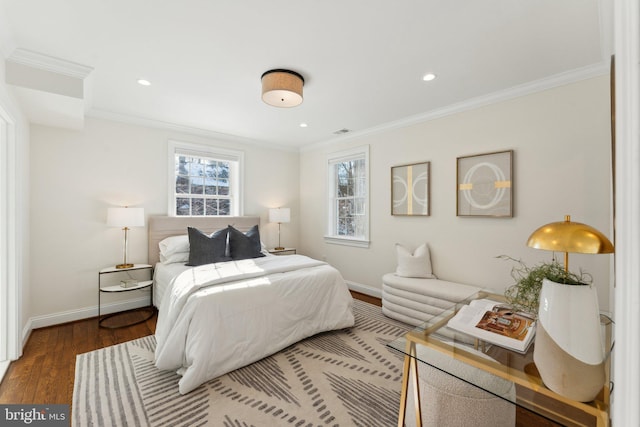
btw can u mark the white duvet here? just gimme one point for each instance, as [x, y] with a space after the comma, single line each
[219, 317]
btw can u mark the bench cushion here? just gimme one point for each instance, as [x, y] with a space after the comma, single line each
[414, 301]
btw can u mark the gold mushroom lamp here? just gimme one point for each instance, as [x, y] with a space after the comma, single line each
[569, 351]
[567, 236]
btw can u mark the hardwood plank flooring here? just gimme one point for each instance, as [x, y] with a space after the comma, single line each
[46, 371]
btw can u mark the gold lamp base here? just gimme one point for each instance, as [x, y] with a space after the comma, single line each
[124, 266]
[279, 248]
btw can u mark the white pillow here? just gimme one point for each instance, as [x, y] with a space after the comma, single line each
[181, 257]
[174, 244]
[416, 264]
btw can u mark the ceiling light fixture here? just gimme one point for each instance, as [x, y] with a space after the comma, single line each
[282, 88]
[303, 125]
[144, 82]
[428, 77]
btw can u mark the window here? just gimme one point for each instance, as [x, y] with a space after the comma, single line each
[205, 181]
[348, 213]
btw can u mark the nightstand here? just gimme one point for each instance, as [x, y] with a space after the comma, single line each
[285, 251]
[122, 275]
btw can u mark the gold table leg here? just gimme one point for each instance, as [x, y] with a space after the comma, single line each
[410, 370]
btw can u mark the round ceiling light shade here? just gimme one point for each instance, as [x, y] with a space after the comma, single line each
[282, 88]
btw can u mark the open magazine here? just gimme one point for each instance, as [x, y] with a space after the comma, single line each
[495, 323]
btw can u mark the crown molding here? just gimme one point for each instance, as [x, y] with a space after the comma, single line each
[557, 80]
[49, 63]
[173, 127]
[551, 82]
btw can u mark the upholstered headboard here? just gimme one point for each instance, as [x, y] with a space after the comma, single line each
[161, 227]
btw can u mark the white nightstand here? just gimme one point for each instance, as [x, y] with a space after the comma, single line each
[115, 288]
[285, 251]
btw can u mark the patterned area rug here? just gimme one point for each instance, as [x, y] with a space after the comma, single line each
[339, 378]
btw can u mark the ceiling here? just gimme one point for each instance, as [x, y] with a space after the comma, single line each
[362, 60]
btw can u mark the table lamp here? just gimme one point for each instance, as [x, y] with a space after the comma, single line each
[566, 236]
[568, 350]
[125, 217]
[279, 215]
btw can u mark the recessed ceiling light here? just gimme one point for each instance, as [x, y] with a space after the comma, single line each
[428, 77]
[303, 125]
[144, 82]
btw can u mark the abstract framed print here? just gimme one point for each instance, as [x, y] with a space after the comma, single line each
[410, 189]
[485, 185]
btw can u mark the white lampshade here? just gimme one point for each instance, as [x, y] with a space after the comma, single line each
[279, 215]
[125, 217]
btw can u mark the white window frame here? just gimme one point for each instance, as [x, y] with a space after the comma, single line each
[332, 237]
[236, 178]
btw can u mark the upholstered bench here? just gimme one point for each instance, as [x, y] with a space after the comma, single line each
[415, 300]
[413, 294]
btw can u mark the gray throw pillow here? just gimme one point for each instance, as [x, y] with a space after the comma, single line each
[205, 249]
[245, 245]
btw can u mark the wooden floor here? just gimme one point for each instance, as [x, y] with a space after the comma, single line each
[45, 372]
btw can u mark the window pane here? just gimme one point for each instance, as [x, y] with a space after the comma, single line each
[197, 167]
[211, 207]
[182, 185]
[182, 165]
[197, 185]
[182, 206]
[345, 207]
[223, 187]
[343, 227]
[210, 168]
[224, 207]
[210, 187]
[223, 170]
[197, 207]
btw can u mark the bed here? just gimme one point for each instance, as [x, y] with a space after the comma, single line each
[215, 318]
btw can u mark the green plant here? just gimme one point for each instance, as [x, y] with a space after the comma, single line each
[524, 294]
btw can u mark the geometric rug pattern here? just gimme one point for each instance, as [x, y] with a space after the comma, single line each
[338, 378]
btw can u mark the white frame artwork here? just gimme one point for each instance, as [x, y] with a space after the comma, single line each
[410, 189]
[484, 185]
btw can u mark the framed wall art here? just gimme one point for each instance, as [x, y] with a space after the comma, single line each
[485, 185]
[410, 189]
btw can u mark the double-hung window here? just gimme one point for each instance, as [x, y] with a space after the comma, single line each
[348, 204]
[204, 180]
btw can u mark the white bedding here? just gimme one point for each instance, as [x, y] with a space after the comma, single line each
[219, 317]
[163, 276]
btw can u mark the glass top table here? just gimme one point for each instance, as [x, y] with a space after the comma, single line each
[465, 357]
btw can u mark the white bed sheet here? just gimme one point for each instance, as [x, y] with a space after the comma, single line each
[209, 325]
[163, 276]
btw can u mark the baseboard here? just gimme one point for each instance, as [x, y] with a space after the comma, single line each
[4, 365]
[84, 313]
[365, 289]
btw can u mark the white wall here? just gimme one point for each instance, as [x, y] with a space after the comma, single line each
[77, 175]
[561, 142]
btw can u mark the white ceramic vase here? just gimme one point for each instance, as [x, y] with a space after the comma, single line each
[569, 352]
